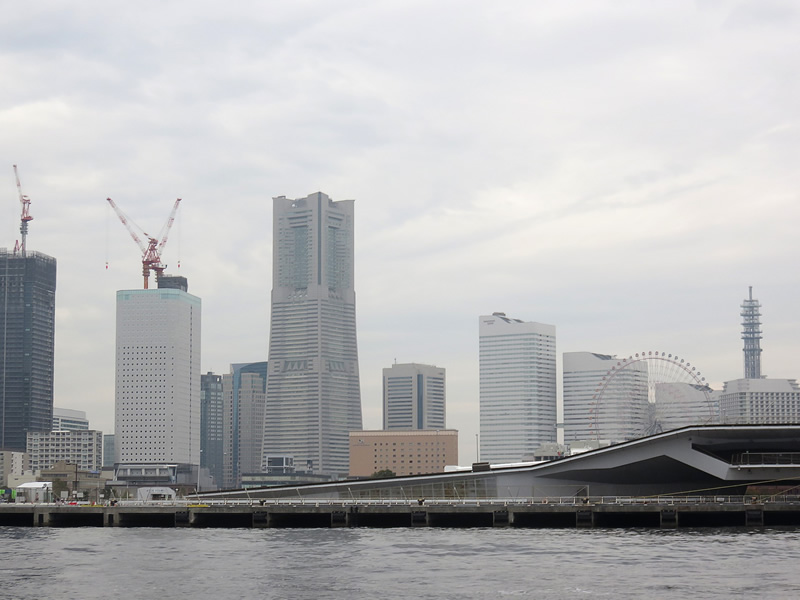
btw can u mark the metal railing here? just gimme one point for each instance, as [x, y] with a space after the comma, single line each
[752, 459]
[470, 502]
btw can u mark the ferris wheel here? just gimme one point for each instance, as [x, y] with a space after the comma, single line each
[647, 393]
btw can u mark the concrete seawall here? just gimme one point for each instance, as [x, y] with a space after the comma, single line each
[490, 513]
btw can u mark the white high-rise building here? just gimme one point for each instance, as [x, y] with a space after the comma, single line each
[759, 401]
[157, 400]
[619, 413]
[69, 419]
[413, 397]
[313, 391]
[81, 447]
[517, 387]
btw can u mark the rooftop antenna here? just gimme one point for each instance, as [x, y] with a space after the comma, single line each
[25, 217]
[751, 334]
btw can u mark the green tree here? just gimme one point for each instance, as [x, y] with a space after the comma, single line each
[383, 473]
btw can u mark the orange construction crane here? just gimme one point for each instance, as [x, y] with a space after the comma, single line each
[19, 246]
[151, 253]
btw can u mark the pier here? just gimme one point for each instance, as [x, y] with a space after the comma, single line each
[572, 512]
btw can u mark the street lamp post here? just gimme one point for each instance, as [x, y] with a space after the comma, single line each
[199, 465]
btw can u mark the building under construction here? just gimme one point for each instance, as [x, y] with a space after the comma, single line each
[27, 334]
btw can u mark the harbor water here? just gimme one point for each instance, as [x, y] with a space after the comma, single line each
[402, 563]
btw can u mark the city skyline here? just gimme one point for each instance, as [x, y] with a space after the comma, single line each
[623, 172]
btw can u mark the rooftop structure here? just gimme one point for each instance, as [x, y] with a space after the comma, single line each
[67, 418]
[751, 334]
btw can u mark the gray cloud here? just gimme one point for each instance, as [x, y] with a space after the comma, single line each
[621, 171]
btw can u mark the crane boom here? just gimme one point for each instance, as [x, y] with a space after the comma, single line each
[168, 225]
[151, 252]
[25, 217]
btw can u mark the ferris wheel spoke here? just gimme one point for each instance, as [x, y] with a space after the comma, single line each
[649, 392]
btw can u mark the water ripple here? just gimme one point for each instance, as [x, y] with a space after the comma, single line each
[419, 563]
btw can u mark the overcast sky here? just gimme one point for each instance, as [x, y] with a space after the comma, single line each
[621, 170]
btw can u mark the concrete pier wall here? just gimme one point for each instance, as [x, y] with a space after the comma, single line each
[582, 513]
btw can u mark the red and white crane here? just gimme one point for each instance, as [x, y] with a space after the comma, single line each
[151, 252]
[25, 218]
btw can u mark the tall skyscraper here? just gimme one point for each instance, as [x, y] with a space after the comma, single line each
[517, 387]
[157, 416]
[244, 393]
[413, 397]
[621, 413]
[751, 334]
[313, 391]
[27, 337]
[212, 410]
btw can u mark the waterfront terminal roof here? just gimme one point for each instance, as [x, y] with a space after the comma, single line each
[697, 460]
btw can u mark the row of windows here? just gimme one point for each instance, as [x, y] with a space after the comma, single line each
[409, 443]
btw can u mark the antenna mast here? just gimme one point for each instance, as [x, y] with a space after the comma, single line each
[751, 334]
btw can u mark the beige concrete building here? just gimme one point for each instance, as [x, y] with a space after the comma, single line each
[13, 464]
[411, 452]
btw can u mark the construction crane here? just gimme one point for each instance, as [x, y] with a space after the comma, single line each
[25, 218]
[151, 252]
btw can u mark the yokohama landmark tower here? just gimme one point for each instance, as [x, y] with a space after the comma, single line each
[313, 391]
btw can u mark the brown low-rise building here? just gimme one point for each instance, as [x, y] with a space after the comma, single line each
[410, 452]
